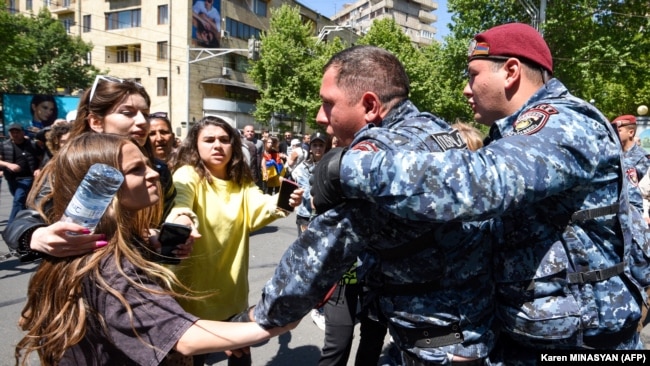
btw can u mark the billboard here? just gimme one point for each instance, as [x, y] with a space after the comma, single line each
[206, 23]
[35, 110]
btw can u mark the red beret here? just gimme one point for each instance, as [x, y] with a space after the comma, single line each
[512, 40]
[624, 120]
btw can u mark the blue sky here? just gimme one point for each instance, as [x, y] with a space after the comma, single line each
[329, 8]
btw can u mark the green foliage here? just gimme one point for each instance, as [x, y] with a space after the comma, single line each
[288, 72]
[601, 51]
[600, 48]
[39, 56]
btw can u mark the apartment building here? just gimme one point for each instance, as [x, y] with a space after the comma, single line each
[190, 55]
[414, 16]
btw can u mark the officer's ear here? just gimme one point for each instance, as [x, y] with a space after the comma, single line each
[373, 106]
[513, 69]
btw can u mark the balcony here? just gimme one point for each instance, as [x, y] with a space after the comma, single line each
[61, 7]
[427, 5]
[427, 17]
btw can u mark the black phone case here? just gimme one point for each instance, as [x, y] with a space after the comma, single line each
[170, 236]
[286, 188]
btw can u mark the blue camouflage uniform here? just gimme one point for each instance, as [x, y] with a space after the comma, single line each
[549, 176]
[637, 157]
[432, 282]
[636, 163]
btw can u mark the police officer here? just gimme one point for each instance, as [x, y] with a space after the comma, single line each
[635, 158]
[430, 283]
[568, 275]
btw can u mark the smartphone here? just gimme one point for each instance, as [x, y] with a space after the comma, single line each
[286, 188]
[170, 236]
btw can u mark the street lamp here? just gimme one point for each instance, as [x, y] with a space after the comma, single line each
[643, 124]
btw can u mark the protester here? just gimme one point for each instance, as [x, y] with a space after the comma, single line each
[111, 105]
[305, 142]
[217, 195]
[20, 160]
[319, 145]
[431, 284]
[249, 134]
[297, 156]
[273, 167]
[112, 306]
[56, 136]
[163, 139]
[284, 146]
[569, 266]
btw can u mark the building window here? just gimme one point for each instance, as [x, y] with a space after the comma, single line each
[123, 19]
[259, 7]
[162, 87]
[163, 14]
[67, 24]
[86, 23]
[137, 53]
[240, 30]
[13, 7]
[89, 58]
[122, 54]
[29, 5]
[162, 50]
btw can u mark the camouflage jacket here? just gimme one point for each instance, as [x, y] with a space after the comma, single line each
[636, 163]
[559, 277]
[443, 283]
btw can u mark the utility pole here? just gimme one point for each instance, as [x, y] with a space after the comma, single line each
[538, 15]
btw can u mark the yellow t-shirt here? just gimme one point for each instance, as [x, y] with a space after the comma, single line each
[227, 214]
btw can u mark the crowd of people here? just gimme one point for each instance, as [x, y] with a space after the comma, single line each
[468, 249]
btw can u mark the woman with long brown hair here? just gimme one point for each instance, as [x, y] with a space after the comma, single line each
[112, 306]
[110, 105]
[216, 193]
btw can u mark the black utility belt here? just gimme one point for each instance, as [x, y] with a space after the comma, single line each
[430, 337]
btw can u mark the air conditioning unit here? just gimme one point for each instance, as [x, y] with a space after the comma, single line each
[225, 34]
[226, 71]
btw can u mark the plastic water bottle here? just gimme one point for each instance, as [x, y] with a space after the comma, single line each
[93, 196]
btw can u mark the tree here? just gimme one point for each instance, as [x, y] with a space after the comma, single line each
[38, 56]
[600, 48]
[289, 69]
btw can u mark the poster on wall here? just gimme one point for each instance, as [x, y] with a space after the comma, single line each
[643, 132]
[206, 23]
[35, 111]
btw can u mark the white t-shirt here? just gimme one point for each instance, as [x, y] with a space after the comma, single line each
[213, 13]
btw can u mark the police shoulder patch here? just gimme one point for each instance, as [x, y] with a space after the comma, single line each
[365, 146]
[533, 119]
[632, 176]
[449, 140]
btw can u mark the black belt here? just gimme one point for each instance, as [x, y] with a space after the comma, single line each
[596, 275]
[430, 337]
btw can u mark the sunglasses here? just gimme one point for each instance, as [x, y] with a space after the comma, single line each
[110, 79]
[161, 115]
